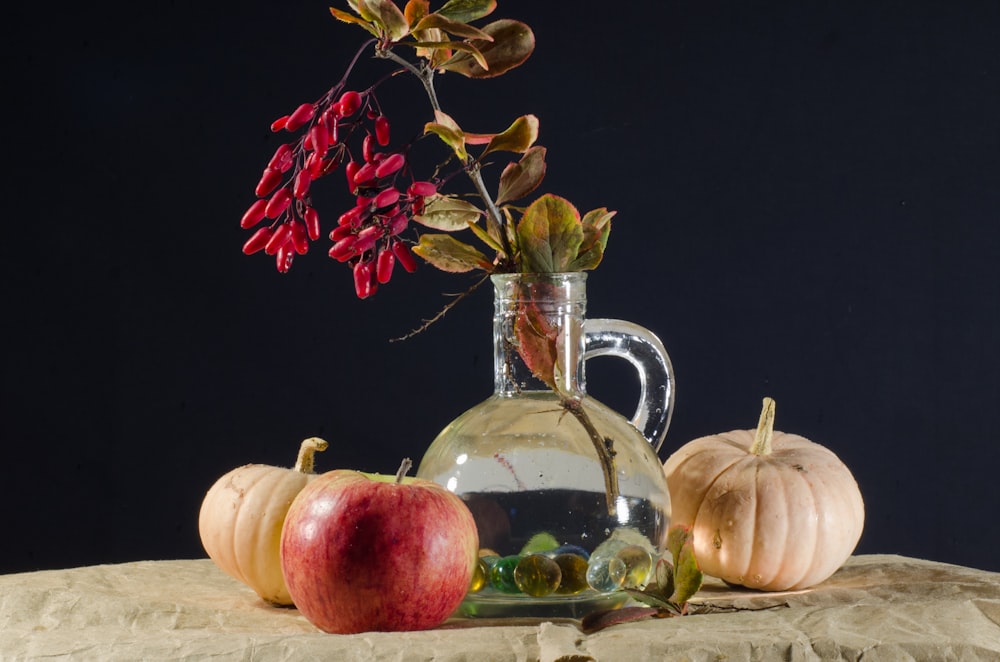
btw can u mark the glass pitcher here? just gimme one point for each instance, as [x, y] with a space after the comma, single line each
[569, 496]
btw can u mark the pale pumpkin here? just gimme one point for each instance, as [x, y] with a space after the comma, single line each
[768, 510]
[241, 518]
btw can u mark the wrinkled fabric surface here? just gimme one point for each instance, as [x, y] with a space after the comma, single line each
[877, 607]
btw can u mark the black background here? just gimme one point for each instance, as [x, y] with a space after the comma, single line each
[808, 199]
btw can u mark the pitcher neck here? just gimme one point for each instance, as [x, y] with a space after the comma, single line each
[538, 332]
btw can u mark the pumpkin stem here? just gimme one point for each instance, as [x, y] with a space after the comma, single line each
[305, 461]
[404, 467]
[765, 429]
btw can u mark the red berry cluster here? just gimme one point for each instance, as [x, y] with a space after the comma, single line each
[367, 236]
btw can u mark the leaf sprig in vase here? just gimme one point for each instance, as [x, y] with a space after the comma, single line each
[398, 212]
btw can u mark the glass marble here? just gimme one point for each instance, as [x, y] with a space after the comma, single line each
[605, 573]
[480, 575]
[573, 568]
[537, 575]
[638, 565]
[570, 549]
[502, 574]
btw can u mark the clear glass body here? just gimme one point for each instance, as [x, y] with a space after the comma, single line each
[528, 468]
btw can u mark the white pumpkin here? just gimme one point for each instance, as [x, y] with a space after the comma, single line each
[241, 518]
[768, 510]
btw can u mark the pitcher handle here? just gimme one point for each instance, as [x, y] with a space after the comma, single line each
[641, 348]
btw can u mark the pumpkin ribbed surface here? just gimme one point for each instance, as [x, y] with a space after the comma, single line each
[783, 520]
[241, 518]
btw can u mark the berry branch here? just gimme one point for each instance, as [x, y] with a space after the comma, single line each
[391, 203]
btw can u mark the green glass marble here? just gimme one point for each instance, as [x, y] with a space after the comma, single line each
[502, 574]
[573, 568]
[638, 565]
[537, 575]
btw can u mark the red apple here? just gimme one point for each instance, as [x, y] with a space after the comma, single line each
[368, 552]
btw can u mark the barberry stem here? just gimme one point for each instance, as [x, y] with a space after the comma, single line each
[493, 218]
[425, 75]
[492, 213]
[604, 446]
[444, 311]
[347, 72]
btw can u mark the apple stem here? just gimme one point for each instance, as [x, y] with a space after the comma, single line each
[765, 429]
[306, 459]
[404, 467]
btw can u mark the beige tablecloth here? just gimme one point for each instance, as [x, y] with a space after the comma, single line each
[875, 608]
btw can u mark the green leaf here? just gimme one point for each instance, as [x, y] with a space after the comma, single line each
[550, 235]
[387, 15]
[448, 46]
[364, 10]
[351, 18]
[513, 42]
[519, 179]
[588, 259]
[448, 214]
[437, 21]
[518, 137]
[677, 537]
[448, 254]
[663, 579]
[687, 575]
[448, 131]
[597, 219]
[486, 238]
[596, 228]
[509, 229]
[464, 11]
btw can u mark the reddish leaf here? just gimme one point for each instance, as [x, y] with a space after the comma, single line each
[537, 340]
[415, 10]
[603, 619]
[513, 42]
[519, 179]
